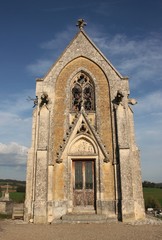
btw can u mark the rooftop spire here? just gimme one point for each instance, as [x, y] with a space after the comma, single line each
[81, 23]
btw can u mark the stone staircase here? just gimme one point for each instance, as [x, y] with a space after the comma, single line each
[86, 218]
[18, 213]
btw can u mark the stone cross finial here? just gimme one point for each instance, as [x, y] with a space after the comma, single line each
[81, 23]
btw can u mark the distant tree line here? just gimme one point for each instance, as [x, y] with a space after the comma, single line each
[147, 184]
[12, 182]
[20, 185]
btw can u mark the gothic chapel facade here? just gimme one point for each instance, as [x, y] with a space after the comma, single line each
[83, 158]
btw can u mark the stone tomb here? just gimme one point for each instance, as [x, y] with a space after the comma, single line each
[6, 205]
[83, 157]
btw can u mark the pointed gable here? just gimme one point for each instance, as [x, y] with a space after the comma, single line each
[83, 139]
[82, 45]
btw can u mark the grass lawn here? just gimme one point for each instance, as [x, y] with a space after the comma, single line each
[155, 193]
[17, 197]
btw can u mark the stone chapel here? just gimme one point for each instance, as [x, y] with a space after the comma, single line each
[83, 159]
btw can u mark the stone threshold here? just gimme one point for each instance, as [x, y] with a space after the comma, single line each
[84, 218]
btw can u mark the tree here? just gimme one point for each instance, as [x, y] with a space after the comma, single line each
[21, 189]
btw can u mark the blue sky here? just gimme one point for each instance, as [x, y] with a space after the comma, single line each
[34, 33]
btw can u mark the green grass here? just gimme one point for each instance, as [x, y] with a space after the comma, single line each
[17, 197]
[155, 193]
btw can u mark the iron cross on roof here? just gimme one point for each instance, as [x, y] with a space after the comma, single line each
[81, 23]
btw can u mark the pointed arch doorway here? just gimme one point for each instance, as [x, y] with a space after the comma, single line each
[83, 156]
[84, 184]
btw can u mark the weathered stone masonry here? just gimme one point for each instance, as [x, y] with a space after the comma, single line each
[83, 159]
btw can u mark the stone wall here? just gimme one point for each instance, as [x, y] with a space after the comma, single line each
[6, 207]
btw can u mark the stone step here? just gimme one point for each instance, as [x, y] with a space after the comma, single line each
[18, 213]
[86, 218]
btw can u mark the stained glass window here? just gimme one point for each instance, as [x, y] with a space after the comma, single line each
[83, 94]
[77, 97]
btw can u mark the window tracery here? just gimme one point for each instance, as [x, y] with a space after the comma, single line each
[83, 93]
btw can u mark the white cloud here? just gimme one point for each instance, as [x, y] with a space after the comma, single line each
[136, 57]
[15, 134]
[39, 67]
[17, 103]
[54, 47]
[12, 154]
[148, 125]
[150, 104]
[12, 148]
[60, 41]
[139, 58]
[16, 116]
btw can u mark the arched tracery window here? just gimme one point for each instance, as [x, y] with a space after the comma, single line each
[83, 93]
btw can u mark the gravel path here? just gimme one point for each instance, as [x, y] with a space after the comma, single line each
[141, 230]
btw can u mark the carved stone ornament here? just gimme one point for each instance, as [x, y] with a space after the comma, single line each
[44, 99]
[83, 129]
[82, 146]
[81, 23]
[119, 97]
[106, 160]
[58, 160]
[132, 101]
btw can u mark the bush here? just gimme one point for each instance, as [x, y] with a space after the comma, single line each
[21, 189]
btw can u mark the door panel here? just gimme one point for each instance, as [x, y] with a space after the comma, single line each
[83, 183]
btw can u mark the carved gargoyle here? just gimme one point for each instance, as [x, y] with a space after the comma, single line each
[132, 101]
[44, 99]
[119, 97]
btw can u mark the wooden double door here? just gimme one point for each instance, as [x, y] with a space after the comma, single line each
[83, 183]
